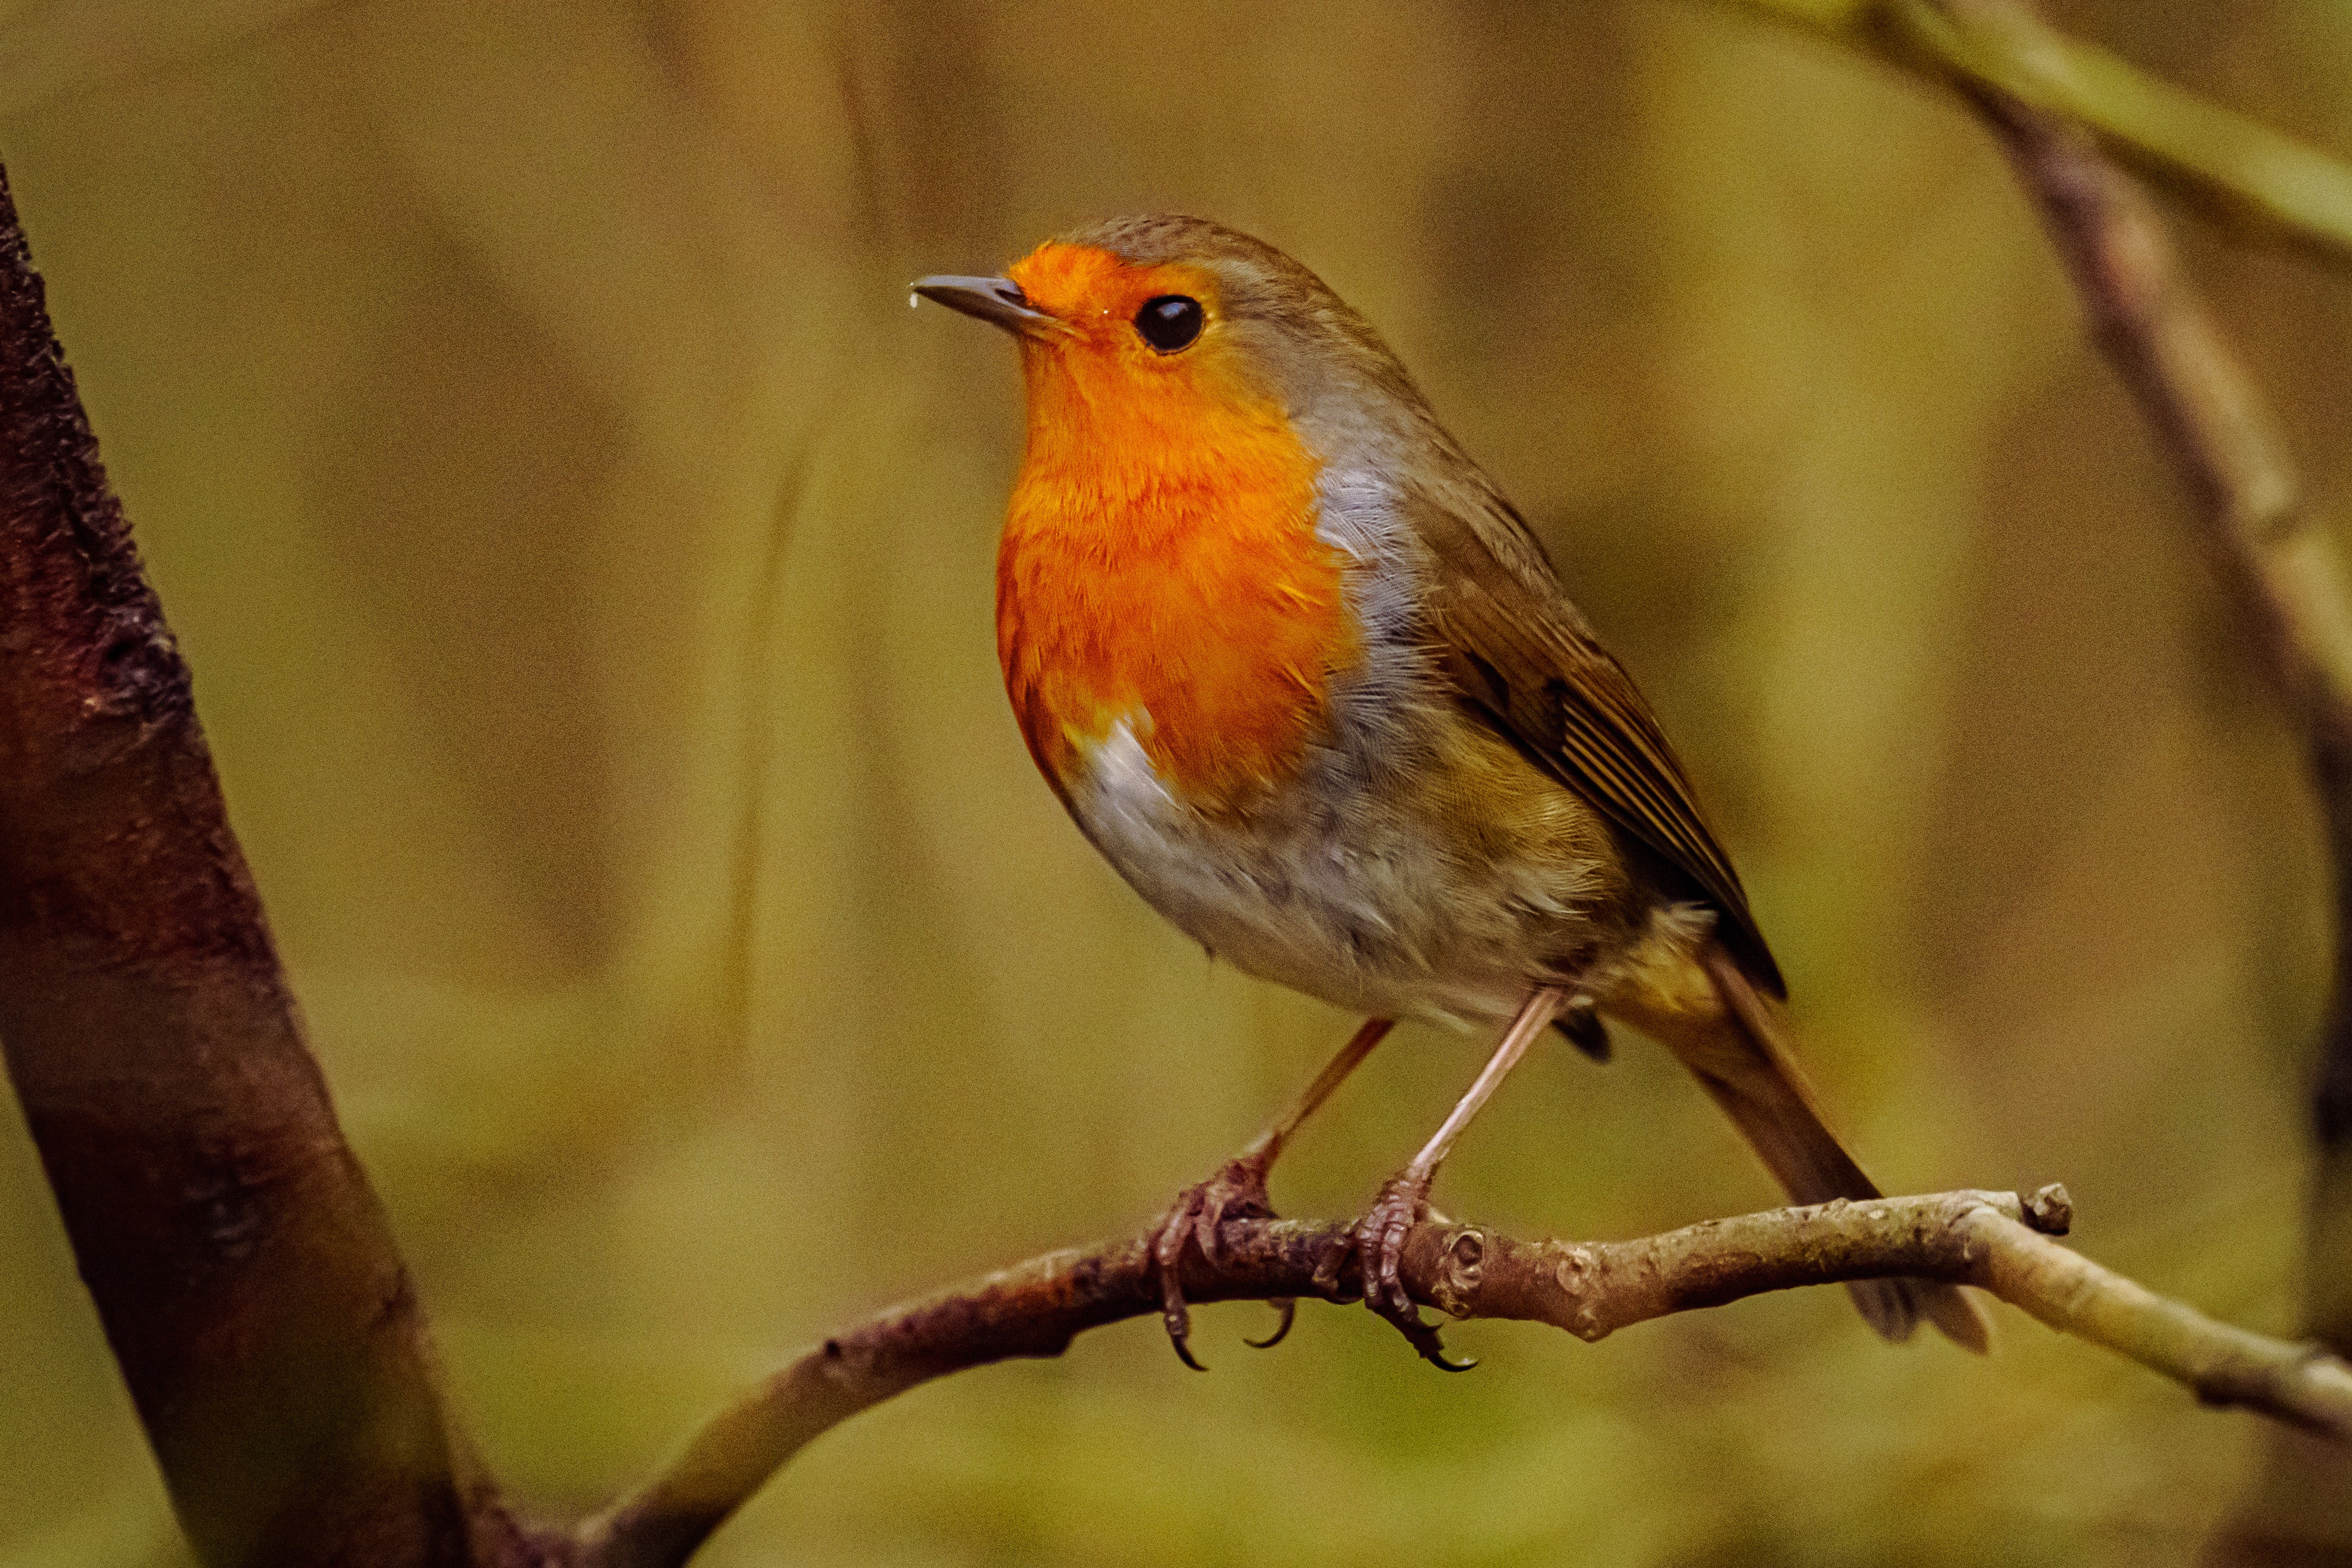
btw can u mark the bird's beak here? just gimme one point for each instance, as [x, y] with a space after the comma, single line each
[997, 299]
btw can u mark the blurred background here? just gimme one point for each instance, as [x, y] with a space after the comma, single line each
[585, 560]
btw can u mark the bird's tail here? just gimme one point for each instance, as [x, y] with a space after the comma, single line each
[1736, 1050]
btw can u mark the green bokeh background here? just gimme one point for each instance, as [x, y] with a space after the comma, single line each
[585, 560]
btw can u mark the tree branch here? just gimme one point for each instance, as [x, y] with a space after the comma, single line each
[2045, 96]
[1994, 1240]
[2272, 555]
[2260, 178]
[239, 1263]
[2038, 92]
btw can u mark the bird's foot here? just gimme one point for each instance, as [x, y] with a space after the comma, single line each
[1380, 1253]
[1237, 1191]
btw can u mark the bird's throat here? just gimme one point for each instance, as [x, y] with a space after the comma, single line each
[1160, 569]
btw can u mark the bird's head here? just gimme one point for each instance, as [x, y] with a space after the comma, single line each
[1154, 324]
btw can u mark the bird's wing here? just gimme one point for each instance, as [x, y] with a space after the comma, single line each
[1524, 659]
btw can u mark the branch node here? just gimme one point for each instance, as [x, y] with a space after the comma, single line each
[1570, 1269]
[2050, 1210]
[1456, 1280]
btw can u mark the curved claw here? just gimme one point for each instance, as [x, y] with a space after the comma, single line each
[1166, 1248]
[1177, 1318]
[1238, 1190]
[1380, 1247]
[1288, 1308]
[1427, 1344]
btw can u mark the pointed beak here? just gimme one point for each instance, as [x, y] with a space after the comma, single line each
[996, 300]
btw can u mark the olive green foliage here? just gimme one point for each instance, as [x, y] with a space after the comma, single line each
[585, 560]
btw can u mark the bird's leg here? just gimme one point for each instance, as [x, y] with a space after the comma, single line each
[1379, 1235]
[1238, 1191]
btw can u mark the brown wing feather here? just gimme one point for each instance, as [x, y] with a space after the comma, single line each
[1524, 659]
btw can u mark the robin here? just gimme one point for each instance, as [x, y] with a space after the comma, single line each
[1305, 679]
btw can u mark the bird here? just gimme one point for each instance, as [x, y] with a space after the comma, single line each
[1308, 682]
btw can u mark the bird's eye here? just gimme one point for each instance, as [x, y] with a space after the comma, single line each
[1171, 321]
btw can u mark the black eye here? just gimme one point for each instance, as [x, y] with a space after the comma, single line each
[1171, 321]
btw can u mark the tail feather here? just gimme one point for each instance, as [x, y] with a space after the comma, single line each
[1739, 1057]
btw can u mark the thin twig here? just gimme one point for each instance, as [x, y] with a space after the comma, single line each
[1995, 1240]
[2266, 181]
[2281, 564]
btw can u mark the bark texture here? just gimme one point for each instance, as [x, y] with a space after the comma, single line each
[241, 1266]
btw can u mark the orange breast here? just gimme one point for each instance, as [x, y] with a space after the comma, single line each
[1159, 565]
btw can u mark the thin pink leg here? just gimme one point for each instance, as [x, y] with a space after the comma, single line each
[1379, 1237]
[1239, 1189]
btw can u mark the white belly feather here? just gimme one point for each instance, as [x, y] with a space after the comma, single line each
[1375, 917]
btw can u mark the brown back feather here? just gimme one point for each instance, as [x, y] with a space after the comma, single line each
[1523, 659]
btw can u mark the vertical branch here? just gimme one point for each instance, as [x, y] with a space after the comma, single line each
[2288, 576]
[240, 1265]
[2271, 554]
